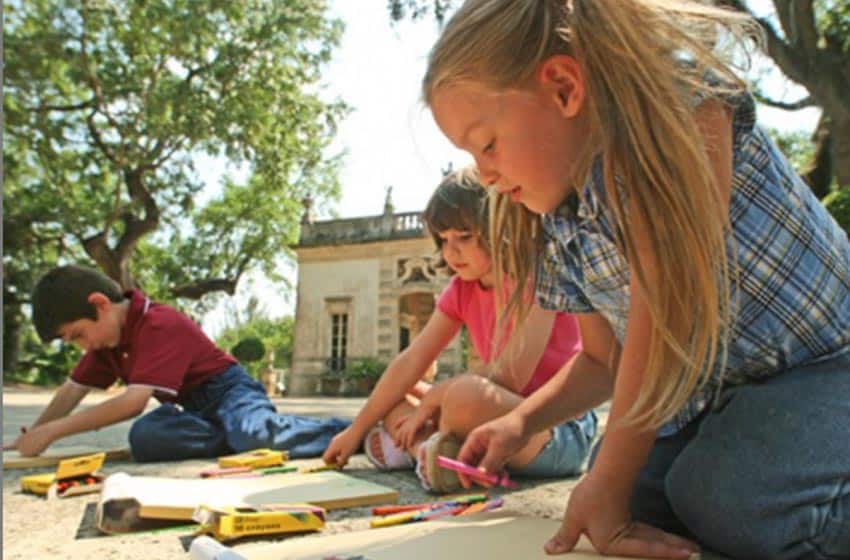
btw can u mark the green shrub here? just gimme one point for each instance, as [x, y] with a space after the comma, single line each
[838, 204]
[249, 349]
[371, 368]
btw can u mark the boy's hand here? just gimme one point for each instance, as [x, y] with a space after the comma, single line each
[342, 446]
[14, 444]
[34, 441]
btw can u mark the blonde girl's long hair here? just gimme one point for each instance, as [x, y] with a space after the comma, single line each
[645, 64]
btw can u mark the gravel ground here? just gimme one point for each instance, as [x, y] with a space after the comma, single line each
[36, 529]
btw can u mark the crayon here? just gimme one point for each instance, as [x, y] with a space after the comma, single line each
[396, 519]
[320, 468]
[277, 470]
[493, 504]
[442, 512]
[474, 508]
[482, 506]
[226, 471]
[468, 499]
[474, 473]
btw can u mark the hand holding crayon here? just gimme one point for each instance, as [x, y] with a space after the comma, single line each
[476, 475]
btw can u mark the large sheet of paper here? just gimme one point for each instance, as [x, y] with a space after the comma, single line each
[126, 501]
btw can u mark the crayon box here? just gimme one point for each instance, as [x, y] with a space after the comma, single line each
[232, 523]
[79, 475]
[255, 459]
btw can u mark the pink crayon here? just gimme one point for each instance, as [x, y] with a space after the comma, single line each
[472, 472]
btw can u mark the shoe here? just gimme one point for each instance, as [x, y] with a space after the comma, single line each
[433, 477]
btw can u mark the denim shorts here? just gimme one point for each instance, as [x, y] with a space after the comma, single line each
[566, 452]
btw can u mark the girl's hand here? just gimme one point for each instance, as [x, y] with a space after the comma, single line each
[408, 427]
[342, 446]
[603, 515]
[490, 445]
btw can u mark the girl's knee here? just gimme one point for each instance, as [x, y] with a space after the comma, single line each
[464, 404]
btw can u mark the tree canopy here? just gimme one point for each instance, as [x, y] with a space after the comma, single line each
[110, 104]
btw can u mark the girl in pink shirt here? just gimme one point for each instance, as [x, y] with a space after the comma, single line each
[405, 417]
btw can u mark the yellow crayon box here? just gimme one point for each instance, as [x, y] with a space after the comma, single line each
[232, 523]
[255, 459]
[73, 477]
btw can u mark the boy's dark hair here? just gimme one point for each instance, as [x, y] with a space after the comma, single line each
[62, 296]
[460, 203]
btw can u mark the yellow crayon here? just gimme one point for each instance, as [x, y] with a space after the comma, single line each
[396, 519]
[319, 468]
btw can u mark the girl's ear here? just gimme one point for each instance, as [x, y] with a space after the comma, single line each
[560, 77]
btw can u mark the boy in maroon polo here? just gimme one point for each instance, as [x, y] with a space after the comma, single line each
[210, 405]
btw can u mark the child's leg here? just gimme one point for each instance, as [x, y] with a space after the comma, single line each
[420, 389]
[170, 434]
[768, 473]
[251, 421]
[473, 400]
[381, 448]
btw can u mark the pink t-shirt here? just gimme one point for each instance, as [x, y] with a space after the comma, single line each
[475, 307]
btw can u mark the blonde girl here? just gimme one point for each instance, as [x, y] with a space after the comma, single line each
[413, 412]
[636, 190]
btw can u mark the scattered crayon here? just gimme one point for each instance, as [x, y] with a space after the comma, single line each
[442, 512]
[277, 470]
[463, 499]
[475, 474]
[320, 468]
[226, 471]
[396, 519]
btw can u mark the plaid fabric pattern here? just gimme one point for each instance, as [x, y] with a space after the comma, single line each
[792, 303]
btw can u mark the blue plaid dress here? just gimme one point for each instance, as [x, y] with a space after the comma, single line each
[792, 303]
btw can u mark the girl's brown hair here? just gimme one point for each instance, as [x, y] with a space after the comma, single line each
[459, 203]
[645, 64]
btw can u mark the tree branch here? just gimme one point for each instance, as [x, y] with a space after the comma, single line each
[196, 290]
[804, 25]
[782, 53]
[98, 139]
[792, 106]
[135, 228]
[64, 108]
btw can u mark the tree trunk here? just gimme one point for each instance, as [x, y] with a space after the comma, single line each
[819, 172]
[11, 336]
[841, 151]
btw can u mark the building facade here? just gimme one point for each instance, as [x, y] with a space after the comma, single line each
[366, 288]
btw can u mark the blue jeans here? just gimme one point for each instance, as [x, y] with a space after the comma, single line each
[564, 454]
[230, 413]
[764, 474]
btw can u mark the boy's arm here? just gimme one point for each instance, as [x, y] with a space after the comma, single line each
[66, 399]
[128, 404]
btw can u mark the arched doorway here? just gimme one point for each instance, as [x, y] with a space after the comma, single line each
[414, 310]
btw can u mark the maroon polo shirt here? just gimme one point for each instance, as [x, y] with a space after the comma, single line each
[160, 348]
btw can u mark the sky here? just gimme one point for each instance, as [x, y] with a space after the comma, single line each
[390, 138]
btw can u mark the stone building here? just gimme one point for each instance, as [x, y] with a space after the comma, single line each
[366, 288]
